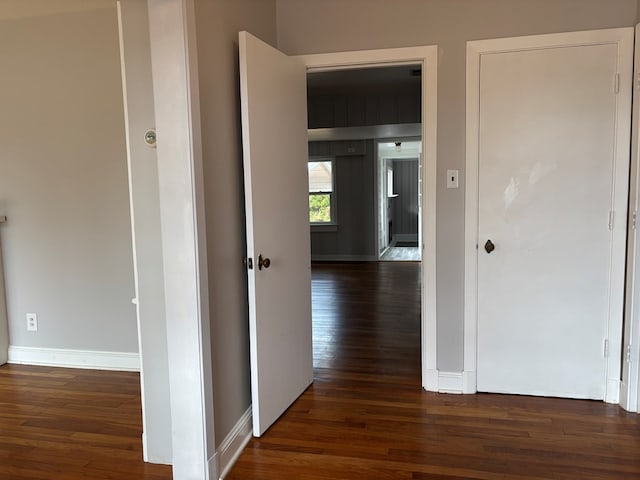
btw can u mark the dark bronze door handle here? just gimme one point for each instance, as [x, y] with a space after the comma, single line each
[263, 262]
[489, 246]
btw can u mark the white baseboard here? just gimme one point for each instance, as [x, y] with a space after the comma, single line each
[343, 258]
[231, 447]
[451, 382]
[613, 391]
[431, 381]
[57, 357]
[469, 385]
[626, 400]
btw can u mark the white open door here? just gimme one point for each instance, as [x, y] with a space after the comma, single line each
[274, 130]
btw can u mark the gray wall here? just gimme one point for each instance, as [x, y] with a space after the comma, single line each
[310, 26]
[63, 178]
[217, 25]
[355, 237]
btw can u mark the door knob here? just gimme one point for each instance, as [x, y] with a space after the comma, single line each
[263, 262]
[489, 246]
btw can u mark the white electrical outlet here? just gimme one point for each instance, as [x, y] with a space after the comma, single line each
[32, 322]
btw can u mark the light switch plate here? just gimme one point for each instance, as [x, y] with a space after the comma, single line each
[452, 178]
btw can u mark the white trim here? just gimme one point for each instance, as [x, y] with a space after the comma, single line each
[427, 56]
[233, 444]
[61, 357]
[451, 382]
[612, 393]
[471, 210]
[4, 320]
[630, 387]
[183, 232]
[468, 382]
[623, 37]
[144, 207]
[343, 258]
[431, 380]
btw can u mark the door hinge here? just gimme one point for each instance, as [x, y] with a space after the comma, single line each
[633, 219]
[612, 217]
[605, 348]
[616, 83]
[628, 355]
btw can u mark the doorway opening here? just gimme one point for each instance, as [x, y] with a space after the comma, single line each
[399, 199]
[364, 212]
[279, 228]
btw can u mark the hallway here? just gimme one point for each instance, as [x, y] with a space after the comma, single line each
[366, 318]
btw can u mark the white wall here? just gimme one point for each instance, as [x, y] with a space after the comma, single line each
[63, 177]
[310, 26]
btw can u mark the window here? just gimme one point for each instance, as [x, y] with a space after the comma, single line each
[321, 194]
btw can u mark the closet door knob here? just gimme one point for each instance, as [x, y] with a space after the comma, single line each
[489, 246]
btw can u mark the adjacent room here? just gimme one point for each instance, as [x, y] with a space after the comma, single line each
[364, 161]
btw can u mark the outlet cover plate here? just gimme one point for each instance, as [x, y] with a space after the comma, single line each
[32, 322]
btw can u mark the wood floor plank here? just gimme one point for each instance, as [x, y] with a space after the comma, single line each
[366, 416]
[67, 424]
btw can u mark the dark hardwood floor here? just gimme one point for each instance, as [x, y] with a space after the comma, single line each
[366, 318]
[64, 424]
[366, 416]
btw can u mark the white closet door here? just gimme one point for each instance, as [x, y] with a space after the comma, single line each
[547, 142]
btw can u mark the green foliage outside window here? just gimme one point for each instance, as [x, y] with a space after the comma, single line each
[320, 208]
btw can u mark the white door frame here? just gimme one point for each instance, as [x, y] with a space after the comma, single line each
[135, 60]
[181, 188]
[623, 38]
[4, 321]
[630, 389]
[427, 56]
